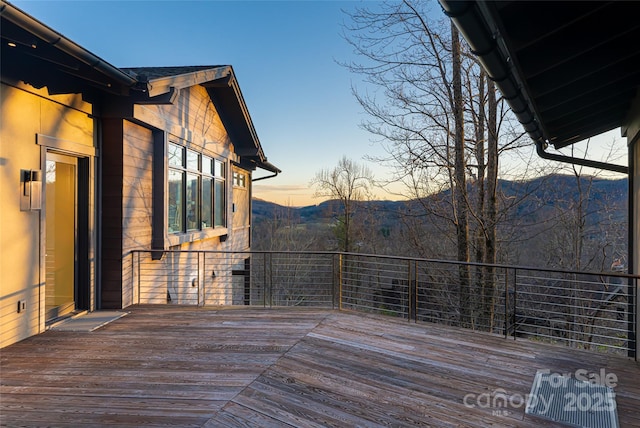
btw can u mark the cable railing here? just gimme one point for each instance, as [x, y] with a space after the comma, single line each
[579, 309]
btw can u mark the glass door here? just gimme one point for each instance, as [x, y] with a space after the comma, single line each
[61, 234]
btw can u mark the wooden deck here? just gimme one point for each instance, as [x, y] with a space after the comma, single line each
[182, 366]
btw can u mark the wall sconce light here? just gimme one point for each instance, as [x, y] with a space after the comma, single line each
[30, 190]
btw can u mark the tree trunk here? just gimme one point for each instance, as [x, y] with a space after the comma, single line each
[479, 235]
[462, 221]
[492, 202]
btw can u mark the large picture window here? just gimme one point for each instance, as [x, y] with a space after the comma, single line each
[196, 186]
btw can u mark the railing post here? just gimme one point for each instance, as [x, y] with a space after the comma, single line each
[632, 313]
[417, 291]
[204, 279]
[139, 288]
[264, 280]
[198, 279]
[333, 282]
[506, 303]
[515, 302]
[340, 267]
[410, 290]
[270, 280]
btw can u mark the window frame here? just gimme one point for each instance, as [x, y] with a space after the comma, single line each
[193, 163]
[220, 178]
[239, 179]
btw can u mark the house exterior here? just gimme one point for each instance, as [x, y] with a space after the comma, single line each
[569, 71]
[176, 170]
[96, 161]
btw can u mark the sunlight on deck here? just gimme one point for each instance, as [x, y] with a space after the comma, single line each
[188, 366]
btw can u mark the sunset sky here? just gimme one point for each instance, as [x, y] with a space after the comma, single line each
[285, 55]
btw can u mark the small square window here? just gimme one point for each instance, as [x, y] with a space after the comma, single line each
[239, 179]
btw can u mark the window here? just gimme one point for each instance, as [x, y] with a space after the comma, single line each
[239, 179]
[196, 186]
[207, 192]
[219, 201]
[175, 157]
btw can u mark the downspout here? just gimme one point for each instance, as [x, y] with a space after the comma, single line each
[268, 166]
[540, 146]
[275, 174]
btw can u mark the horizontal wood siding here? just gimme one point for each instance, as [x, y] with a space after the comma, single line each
[194, 122]
[137, 170]
[192, 119]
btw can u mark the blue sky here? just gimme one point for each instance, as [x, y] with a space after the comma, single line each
[284, 54]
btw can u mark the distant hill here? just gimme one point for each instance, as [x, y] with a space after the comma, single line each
[549, 191]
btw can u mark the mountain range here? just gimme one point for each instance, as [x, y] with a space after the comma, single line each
[535, 197]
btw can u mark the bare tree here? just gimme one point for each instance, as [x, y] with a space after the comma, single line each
[461, 210]
[348, 182]
[443, 126]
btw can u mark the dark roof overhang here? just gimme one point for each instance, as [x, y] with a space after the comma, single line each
[568, 69]
[36, 54]
[228, 100]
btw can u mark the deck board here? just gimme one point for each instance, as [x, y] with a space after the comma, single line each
[240, 367]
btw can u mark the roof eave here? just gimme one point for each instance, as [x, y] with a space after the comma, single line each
[67, 46]
[162, 85]
[478, 26]
[227, 97]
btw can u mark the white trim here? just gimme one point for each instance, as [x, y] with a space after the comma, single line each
[70, 147]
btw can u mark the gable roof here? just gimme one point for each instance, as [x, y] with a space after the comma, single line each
[224, 91]
[568, 69]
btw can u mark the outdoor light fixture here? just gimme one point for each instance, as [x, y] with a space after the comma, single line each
[30, 190]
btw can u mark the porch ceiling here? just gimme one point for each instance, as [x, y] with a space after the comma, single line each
[569, 69]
